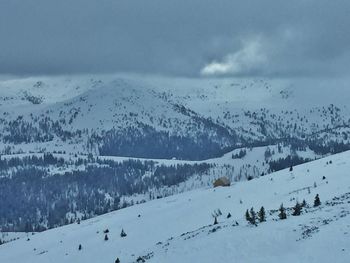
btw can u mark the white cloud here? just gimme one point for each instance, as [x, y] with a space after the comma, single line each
[249, 58]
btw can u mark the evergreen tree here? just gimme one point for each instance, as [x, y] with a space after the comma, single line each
[297, 209]
[250, 216]
[247, 216]
[262, 214]
[106, 237]
[123, 234]
[80, 247]
[253, 216]
[291, 168]
[215, 221]
[317, 201]
[117, 260]
[282, 215]
[229, 215]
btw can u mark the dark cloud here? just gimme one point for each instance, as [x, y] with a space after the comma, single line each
[182, 37]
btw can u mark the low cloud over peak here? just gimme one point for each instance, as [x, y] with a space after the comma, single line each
[248, 59]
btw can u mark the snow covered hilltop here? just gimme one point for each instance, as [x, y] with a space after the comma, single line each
[192, 119]
[181, 228]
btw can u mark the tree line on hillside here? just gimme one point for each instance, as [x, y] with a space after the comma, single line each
[34, 199]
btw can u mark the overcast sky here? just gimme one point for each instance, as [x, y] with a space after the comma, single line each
[176, 37]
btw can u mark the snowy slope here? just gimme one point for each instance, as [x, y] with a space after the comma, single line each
[178, 228]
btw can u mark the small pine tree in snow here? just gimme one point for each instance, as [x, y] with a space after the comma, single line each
[253, 216]
[317, 201]
[80, 247]
[291, 168]
[247, 216]
[282, 215]
[250, 216]
[215, 221]
[262, 214]
[106, 237]
[228, 215]
[123, 234]
[117, 260]
[297, 209]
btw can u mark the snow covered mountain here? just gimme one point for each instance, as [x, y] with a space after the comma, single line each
[104, 142]
[154, 117]
[180, 228]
